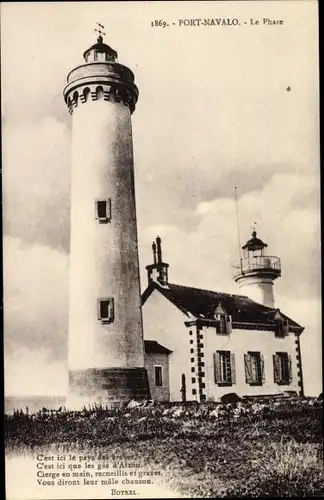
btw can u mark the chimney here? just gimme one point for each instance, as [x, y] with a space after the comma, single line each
[158, 271]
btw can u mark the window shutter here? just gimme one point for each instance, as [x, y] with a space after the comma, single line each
[98, 310]
[111, 310]
[248, 368]
[276, 368]
[217, 368]
[109, 209]
[262, 368]
[233, 371]
[228, 324]
[279, 328]
[289, 369]
[285, 327]
[222, 324]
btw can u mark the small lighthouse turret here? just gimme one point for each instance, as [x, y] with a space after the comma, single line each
[258, 271]
[106, 347]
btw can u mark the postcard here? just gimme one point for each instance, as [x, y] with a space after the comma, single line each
[161, 249]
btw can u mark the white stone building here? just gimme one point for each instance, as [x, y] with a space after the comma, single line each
[218, 343]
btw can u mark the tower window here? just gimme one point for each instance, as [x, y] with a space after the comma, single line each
[103, 211]
[158, 376]
[105, 311]
[86, 93]
[99, 93]
[100, 56]
[75, 98]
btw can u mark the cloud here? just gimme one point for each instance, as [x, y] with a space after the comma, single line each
[203, 125]
[30, 373]
[308, 313]
[36, 179]
[35, 298]
[205, 254]
[35, 318]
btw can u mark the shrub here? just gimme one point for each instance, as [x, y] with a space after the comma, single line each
[287, 469]
[241, 449]
[231, 397]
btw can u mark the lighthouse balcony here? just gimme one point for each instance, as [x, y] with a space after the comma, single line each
[264, 264]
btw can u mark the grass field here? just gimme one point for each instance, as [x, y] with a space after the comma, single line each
[211, 450]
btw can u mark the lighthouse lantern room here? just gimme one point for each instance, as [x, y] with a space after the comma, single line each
[257, 271]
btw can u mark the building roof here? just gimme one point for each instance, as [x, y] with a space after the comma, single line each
[153, 347]
[202, 305]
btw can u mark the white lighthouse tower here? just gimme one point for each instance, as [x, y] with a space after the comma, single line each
[258, 271]
[106, 347]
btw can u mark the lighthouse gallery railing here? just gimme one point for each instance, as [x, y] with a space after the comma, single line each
[258, 262]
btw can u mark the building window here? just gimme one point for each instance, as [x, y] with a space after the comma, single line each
[282, 371]
[224, 324]
[254, 368]
[193, 369]
[281, 328]
[194, 392]
[158, 375]
[224, 368]
[106, 310]
[103, 211]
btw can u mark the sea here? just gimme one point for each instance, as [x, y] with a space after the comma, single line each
[32, 404]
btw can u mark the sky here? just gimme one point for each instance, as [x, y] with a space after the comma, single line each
[218, 107]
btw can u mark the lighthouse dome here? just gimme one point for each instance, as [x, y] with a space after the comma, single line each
[254, 243]
[100, 52]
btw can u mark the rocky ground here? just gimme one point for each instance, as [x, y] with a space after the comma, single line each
[251, 449]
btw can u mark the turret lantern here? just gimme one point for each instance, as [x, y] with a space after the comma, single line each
[258, 271]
